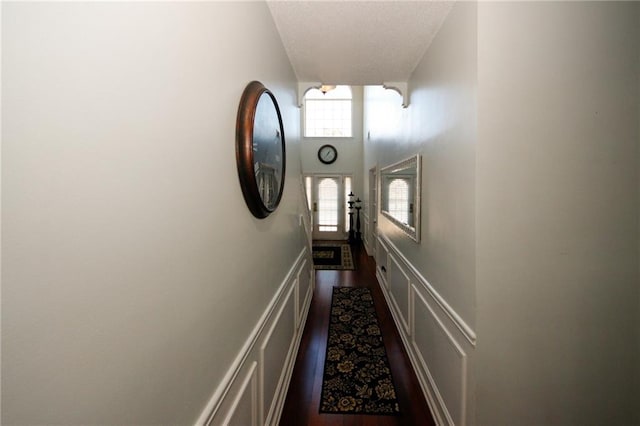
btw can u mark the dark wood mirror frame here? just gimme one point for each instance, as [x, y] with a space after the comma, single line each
[260, 150]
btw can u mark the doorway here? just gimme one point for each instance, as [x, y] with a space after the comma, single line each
[328, 196]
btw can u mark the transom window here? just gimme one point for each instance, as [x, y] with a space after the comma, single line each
[328, 115]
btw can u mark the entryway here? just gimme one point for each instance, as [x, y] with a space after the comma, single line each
[327, 195]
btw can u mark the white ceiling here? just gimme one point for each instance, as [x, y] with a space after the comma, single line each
[357, 42]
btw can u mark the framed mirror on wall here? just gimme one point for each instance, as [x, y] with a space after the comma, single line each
[260, 149]
[400, 189]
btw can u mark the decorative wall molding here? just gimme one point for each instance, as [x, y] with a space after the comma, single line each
[233, 387]
[382, 258]
[296, 288]
[285, 330]
[436, 343]
[402, 87]
[303, 87]
[458, 352]
[400, 300]
[467, 331]
[249, 384]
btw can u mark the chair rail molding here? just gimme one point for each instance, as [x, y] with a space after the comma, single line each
[467, 331]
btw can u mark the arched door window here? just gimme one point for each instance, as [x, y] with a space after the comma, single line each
[328, 208]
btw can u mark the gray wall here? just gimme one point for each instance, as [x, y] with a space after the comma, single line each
[125, 291]
[557, 213]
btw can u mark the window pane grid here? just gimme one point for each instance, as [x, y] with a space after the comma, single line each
[328, 115]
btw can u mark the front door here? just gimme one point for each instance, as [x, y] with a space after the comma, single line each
[328, 205]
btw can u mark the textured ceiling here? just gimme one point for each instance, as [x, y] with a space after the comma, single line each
[356, 42]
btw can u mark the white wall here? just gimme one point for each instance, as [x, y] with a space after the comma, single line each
[126, 240]
[557, 212]
[439, 124]
[526, 115]
[433, 281]
[349, 149]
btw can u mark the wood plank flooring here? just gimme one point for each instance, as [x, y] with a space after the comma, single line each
[302, 404]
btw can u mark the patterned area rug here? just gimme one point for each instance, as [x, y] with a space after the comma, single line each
[332, 255]
[357, 378]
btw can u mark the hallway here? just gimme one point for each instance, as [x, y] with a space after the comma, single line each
[303, 397]
[139, 287]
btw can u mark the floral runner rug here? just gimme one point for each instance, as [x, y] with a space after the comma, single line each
[357, 378]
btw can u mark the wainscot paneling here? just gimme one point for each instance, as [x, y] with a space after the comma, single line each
[242, 411]
[438, 341]
[254, 389]
[382, 258]
[304, 280]
[274, 351]
[399, 286]
[443, 360]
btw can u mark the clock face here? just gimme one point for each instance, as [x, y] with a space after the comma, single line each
[327, 154]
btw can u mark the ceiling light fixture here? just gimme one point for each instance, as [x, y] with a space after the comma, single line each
[326, 87]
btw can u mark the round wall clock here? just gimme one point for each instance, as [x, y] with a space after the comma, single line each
[260, 149]
[327, 154]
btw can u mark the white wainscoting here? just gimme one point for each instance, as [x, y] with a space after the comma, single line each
[438, 341]
[254, 389]
[399, 285]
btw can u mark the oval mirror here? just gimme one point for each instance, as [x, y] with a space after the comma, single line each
[260, 149]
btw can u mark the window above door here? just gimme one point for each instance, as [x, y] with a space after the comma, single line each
[328, 115]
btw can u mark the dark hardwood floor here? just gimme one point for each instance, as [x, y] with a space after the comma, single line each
[301, 407]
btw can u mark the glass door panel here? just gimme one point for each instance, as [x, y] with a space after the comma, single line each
[328, 206]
